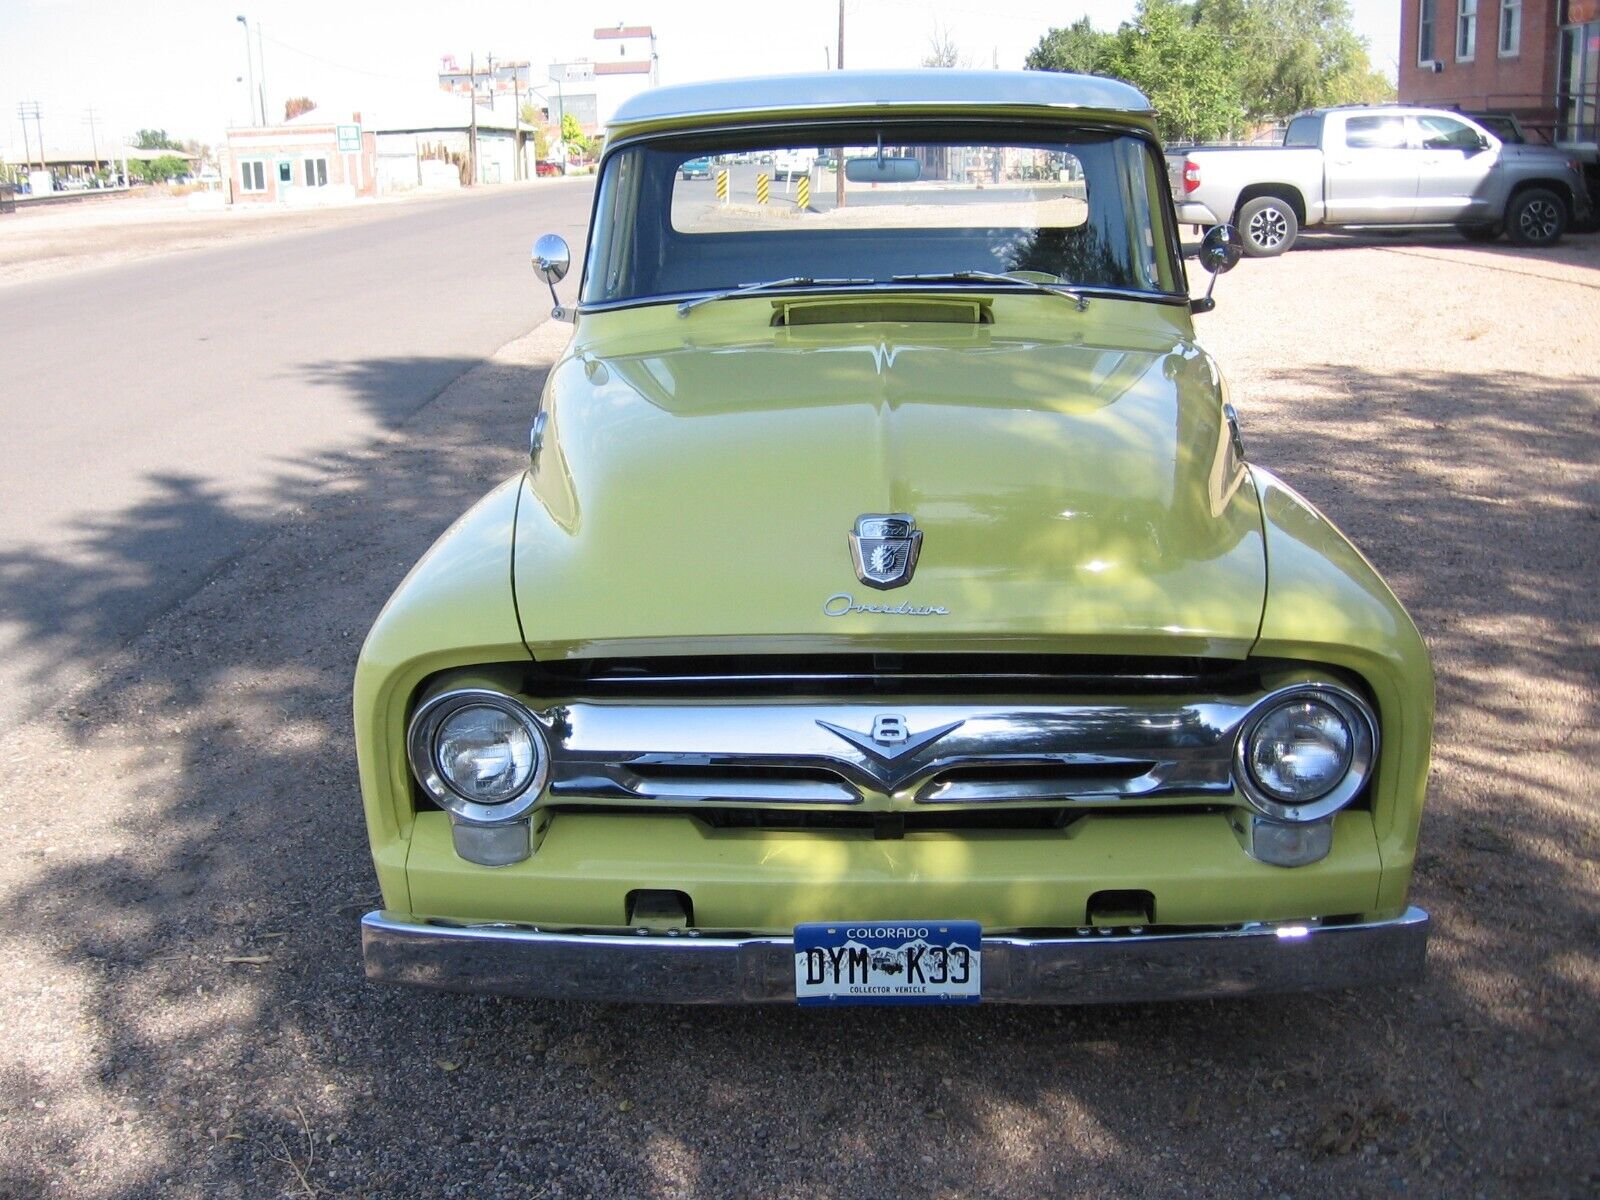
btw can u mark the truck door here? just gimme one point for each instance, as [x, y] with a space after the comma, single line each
[1457, 166]
[1370, 170]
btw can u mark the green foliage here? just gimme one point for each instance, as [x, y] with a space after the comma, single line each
[1079, 48]
[1183, 68]
[155, 139]
[1214, 67]
[158, 170]
[1291, 55]
[572, 134]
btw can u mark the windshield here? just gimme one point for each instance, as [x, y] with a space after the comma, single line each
[1080, 208]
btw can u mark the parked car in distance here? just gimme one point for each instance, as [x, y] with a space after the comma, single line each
[884, 612]
[1383, 165]
[547, 167]
[790, 164]
[696, 168]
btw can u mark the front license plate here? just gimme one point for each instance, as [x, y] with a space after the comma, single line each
[888, 962]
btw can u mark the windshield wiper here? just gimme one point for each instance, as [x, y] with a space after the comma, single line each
[1054, 289]
[770, 285]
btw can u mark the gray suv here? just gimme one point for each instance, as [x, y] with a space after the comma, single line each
[1383, 165]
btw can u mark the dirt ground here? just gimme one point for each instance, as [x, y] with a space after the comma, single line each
[184, 1011]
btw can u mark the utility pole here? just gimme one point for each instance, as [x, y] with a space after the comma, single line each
[838, 155]
[89, 116]
[250, 62]
[516, 118]
[472, 137]
[27, 145]
[30, 108]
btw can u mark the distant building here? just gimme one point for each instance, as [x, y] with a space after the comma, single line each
[430, 139]
[76, 167]
[485, 77]
[1538, 60]
[313, 159]
[623, 62]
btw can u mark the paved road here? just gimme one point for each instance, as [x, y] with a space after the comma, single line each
[156, 416]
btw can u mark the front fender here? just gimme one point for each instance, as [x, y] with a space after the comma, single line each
[455, 608]
[1326, 603]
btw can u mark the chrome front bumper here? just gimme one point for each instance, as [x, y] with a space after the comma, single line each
[1080, 969]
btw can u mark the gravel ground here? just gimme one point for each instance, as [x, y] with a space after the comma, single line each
[185, 1015]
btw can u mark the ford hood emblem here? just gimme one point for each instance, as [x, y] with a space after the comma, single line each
[885, 548]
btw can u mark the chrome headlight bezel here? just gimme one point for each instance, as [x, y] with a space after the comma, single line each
[422, 751]
[1353, 710]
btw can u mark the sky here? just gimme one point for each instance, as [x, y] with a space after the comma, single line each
[178, 64]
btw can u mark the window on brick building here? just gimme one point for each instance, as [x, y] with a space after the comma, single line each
[1425, 30]
[1510, 27]
[316, 172]
[252, 177]
[1466, 30]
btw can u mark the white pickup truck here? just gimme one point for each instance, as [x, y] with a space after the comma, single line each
[1382, 165]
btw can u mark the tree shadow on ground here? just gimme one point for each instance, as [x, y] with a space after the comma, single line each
[194, 955]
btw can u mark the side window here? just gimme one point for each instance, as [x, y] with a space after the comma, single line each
[1442, 133]
[1304, 131]
[1375, 133]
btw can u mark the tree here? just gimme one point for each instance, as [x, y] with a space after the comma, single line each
[1080, 48]
[158, 170]
[294, 107]
[943, 51]
[155, 139]
[1184, 69]
[1214, 66]
[572, 133]
[1290, 55]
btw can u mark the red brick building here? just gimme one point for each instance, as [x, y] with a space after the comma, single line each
[309, 160]
[1536, 59]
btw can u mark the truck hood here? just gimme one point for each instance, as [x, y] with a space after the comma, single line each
[1071, 475]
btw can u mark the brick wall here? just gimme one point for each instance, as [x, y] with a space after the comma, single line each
[1523, 82]
[349, 173]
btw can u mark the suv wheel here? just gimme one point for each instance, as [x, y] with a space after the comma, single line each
[1268, 226]
[1536, 217]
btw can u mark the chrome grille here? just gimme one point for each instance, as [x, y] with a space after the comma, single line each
[1153, 749]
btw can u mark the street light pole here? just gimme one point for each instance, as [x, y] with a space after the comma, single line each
[838, 155]
[261, 76]
[250, 62]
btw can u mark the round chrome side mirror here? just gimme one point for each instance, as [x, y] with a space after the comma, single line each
[1220, 249]
[553, 260]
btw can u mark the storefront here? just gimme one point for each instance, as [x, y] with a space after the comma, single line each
[1578, 73]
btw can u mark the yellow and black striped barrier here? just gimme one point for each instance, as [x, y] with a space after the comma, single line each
[763, 188]
[722, 186]
[802, 195]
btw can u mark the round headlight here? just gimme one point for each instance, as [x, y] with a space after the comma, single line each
[484, 753]
[480, 754]
[1305, 754]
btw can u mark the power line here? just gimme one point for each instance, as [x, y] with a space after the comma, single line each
[328, 62]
